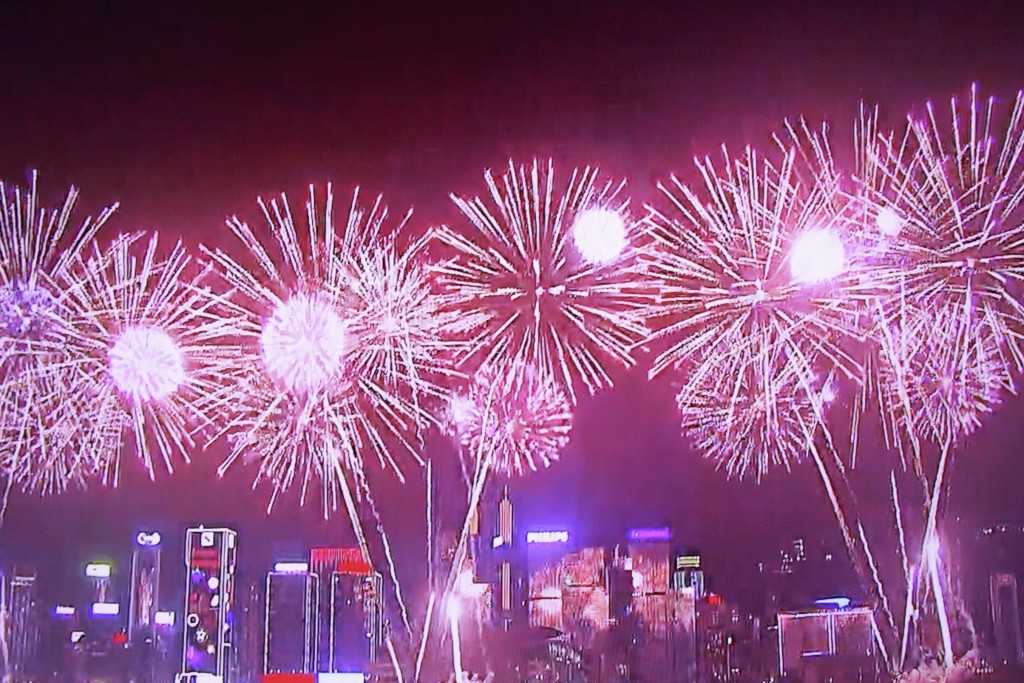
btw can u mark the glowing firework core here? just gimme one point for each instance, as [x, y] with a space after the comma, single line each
[889, 222]
[817, 256]
[303, 343]
[146, 364]
[599, 235]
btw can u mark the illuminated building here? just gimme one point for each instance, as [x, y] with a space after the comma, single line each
[341, 626]
[1006, 617]
[250, 647]
[291, 629]
[353, 623]
[503, 565]
[835, 644]
[505, 531]
[649, 550]
[22, 628]
[210, 561]
[687, 573]
[98, 574]
[143, 603]
[545, 550]
[144, 599]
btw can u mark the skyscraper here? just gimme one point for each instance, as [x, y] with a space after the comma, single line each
[22, 628]
[354, 615]
[209, 598]
[143, 603]
[145, 589]
[505, 531]
[291, 628]
[351, 620]
[250, 637]
[1006, 617]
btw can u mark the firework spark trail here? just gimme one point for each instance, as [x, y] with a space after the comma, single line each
[930, 553]
[453, 619]
[898, 515]
[548, 277]
[907, 574]
[426, 635]
[36, 247]
[430, 522]
[368, 496]
[931, 559]
[394, 660]
[877, 579]
[6, 500]
[143, 352]
[847, 531]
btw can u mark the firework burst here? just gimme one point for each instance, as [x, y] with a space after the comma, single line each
[36, 248]
[954, 226]
[339, 348]
[756, 306]
[143, 354]
[515, 417]
[548, 277]
[767, 421]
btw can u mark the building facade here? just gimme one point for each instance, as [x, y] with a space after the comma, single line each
[208, 637]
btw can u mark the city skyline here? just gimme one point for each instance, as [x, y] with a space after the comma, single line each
[185, 116]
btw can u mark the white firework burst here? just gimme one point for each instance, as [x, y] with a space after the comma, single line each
[338, 348]
[758, 296]
[549, 276]
[37, 246]
[951, 210]
[144, 354]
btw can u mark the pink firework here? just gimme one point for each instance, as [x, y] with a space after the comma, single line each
[144, 354]
[339, 347]
[951, 216]
[548, 275]
[513, 418]
[758, 295]
[37, 246]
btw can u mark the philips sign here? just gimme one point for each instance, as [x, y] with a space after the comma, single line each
[547, 536]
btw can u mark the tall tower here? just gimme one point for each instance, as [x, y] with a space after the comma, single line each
[354, 609]
[250, 647]
[22, 628]
[291, 629]
[505, 531]
[1006, 617]
[144, 599]
[210, 557]
[143, 603]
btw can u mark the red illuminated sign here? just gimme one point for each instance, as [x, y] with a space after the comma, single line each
[342, 560]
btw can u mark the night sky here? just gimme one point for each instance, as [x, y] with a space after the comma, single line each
[185, 113]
